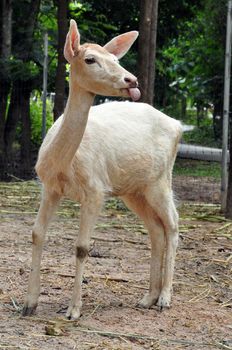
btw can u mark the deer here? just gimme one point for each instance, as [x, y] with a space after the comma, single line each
[122, 149]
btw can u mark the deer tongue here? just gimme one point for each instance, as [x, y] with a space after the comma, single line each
[134, 93]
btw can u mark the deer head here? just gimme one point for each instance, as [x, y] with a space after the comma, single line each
[96, 69]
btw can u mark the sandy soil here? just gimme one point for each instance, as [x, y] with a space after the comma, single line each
[198, 189]
[116, 277]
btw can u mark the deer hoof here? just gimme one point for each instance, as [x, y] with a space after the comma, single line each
[164, 301]
[147, 301]
[29, 310]
[73, 313]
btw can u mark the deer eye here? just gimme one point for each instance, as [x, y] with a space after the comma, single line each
[90, 60]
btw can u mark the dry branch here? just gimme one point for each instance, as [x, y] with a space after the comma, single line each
[134, 336]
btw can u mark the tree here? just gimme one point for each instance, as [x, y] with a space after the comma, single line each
[62, 13]
[191, 60]
[5, 52]
[147, 48]
[25, 18]
[19, 80]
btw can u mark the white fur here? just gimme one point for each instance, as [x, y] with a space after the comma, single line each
[126, 147]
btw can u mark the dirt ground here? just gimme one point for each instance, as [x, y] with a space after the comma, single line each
[116, 277]
[197, 189]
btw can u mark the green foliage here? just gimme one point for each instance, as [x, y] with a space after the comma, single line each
[203, 136]
[93, 25]
[23, 70]
[190, 63]
[192, 60]
[36, 119]
[18, 69]
[188, 167]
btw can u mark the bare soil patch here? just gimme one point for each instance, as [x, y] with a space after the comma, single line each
[116, 277]
[198, 189]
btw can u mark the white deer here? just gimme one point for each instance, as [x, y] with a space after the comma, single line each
[126, 149]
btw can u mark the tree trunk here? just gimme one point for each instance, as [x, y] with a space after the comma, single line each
[61, 69]
[6, 28]
[217, 120]
[25, 20]
[13, 116]
[26, 132]
[183, 107]
[5, 52]
[4, 92]
[147, 48]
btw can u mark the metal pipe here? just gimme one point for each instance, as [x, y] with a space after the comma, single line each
[201, 153]
[224, 171]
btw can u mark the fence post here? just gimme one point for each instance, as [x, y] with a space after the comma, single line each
[45, 78]
[226, 106]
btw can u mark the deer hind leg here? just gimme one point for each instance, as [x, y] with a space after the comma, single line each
[163, 204]
[141, 207]
[90, 210]
[48, 205]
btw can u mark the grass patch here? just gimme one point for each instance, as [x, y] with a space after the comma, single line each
[203, 136]
[189, 167]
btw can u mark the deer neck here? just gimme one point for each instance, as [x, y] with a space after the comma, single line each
[59, 153]
[74, 122]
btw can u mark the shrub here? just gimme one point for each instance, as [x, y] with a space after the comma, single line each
[36, 107]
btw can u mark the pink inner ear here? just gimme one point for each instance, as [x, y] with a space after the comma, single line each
[119, 46]
[74, 40]
[68, 50]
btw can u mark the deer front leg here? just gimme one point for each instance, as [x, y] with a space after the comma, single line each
[90, 210]
[48, 205]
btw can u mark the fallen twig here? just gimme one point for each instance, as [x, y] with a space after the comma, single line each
[223, 346]
[135, 336]
[222, 227]
[201, 296]
[17, 308]
[223, 261]
[227, 303]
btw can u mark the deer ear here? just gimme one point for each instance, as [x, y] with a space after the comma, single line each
[72, 43]
[119, 45]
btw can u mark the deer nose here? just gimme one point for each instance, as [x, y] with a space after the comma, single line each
[131, 81]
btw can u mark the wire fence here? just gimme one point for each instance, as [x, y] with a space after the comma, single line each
[197, 173]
